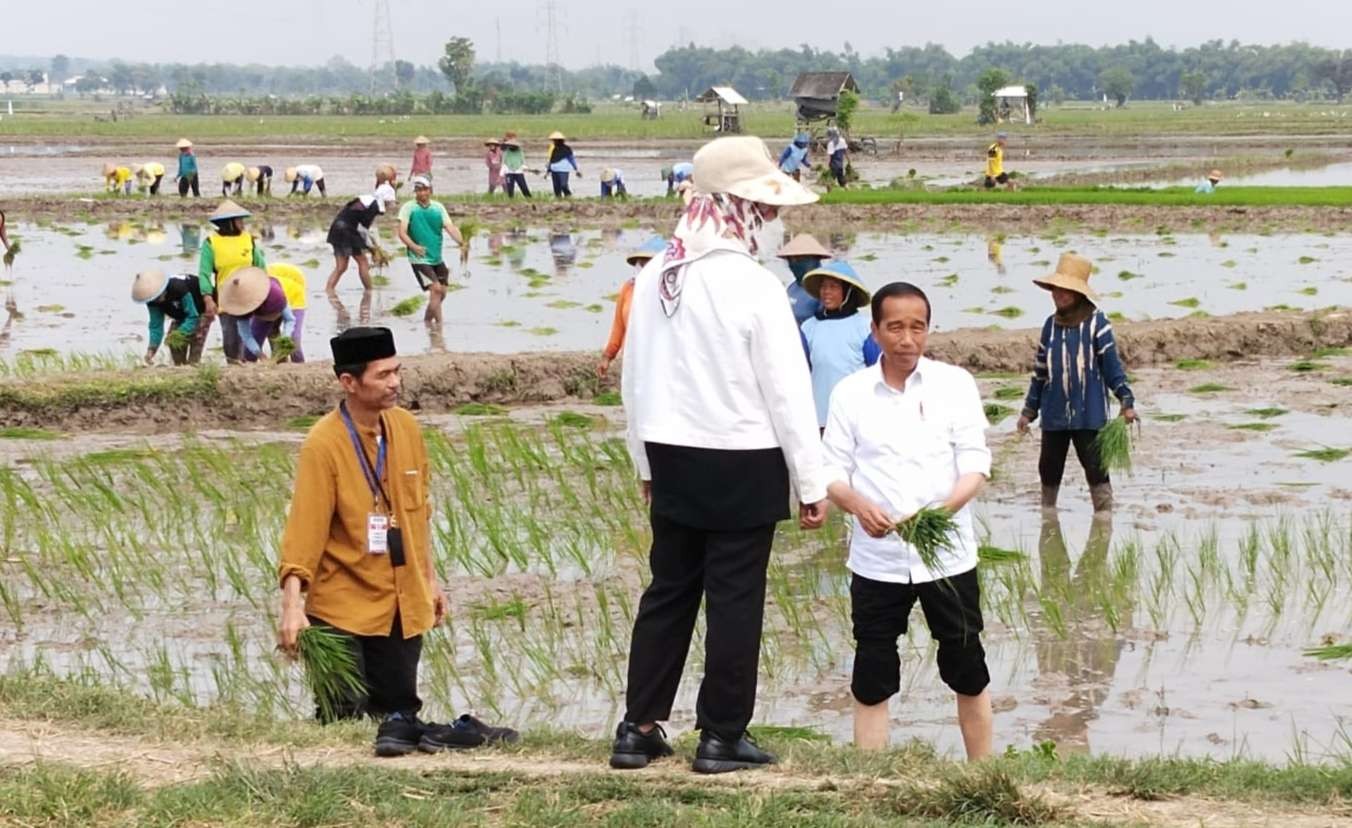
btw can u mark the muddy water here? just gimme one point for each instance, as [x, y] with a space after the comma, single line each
[544, 288]
[1332, 175]
[1214, 670]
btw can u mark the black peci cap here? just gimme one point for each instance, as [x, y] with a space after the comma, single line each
[356, 346]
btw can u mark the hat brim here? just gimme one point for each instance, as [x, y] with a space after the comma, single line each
[241, 298]
[857, 299]
[635, 258]
[775, 189]
[151, 289]
[796, 248]
[1057, 280]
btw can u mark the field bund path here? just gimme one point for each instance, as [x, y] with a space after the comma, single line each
[153, 399]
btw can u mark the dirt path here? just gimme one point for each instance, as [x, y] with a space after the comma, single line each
[157, 764]
[147, 400]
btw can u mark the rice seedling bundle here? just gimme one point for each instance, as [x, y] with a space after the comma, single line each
[408, 307]
[177, 340]
[931, 531]
[1330, 652]
[282, 348]
[1114, 446]
[330, 668]
[15, 248]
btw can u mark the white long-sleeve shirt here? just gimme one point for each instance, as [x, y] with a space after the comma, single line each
[905, 450]
[725, 371]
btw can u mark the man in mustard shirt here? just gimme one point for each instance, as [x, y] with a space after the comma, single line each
[357, 547]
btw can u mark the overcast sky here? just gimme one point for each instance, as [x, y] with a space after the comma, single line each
[312, 31]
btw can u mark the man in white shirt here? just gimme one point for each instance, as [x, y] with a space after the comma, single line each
[903, 434]
[721, 426]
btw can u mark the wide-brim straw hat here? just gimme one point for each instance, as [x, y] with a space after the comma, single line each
[803, 244]
[1215, 175]
[228, 210]
[109, 169]
[253, 173]
[184, 143]
[607, 175]
[243, 291]
[1072, 273]
[421, 139]
[492, 142]
[654, 246]
[742, 166]
[136, 169]
[290, 174]
[148, 286]
[857, 297]
[556, 136]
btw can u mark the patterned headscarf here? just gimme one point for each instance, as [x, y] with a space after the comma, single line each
[711, 222]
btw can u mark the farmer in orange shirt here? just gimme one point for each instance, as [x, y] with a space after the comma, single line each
[637, 259]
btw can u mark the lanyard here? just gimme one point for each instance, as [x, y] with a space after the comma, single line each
[373, 476]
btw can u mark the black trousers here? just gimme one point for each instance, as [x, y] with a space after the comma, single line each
[155, 187]
[1051, 466]
[511, 182]
[389, 667]
[727, 570]
[188, 181]
[560, 182]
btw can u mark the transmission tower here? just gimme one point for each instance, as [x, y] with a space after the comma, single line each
[549, 12]
[382, 40]
[632, 29]
[497, 24]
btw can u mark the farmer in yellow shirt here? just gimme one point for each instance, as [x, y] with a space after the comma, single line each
[117, 178]
[293, 284]
[995, 163]
[232, 175]
[148, 177]
[225, 251]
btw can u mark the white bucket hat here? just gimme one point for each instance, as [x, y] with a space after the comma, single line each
[742, 166]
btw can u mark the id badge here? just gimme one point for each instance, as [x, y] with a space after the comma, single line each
[377, 534]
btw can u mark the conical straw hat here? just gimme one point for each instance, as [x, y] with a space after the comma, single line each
[1072, 273]
[184, 143]
[228, 210]
[858, 297]
[244, 291]
[253, 173]
[803, 244]
[148, 286]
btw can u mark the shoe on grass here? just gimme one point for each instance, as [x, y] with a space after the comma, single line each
[634, 749]
[398, 735]
[464, 733]
[719, 755]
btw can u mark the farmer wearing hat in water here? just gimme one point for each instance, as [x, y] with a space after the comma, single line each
[225, 251]
[148, 177]
[117, 179]
[1208, 186]
[232, 177]
[562, 163]
[422, 222]
[803, 254]
[837, 338]
[180, 299]
[187, 169]
[356, 555]
[493, 161]
[257, 302]
[304, 177]
[261, 176]
[514, 167]
[620, 323]
[722, 431]
[422, 158]
[794, 157]
[1077, 366]
[612, 183]
[995, 163]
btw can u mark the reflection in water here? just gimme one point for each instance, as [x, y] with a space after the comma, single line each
[343, 319]
[436, 337]
[995, 253]
[1075, 648]
[841, 243]
[563, 250]
[190, 238]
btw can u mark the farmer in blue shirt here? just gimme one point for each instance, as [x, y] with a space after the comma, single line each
[1077, 367]
[187, 169]
[794, 157]
[838, 338]
[803, 254]
[1208, 186]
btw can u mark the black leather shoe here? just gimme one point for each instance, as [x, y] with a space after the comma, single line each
[719, 755]
[463, 733]
[634, 749]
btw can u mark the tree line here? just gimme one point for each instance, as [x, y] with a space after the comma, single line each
[929, 73]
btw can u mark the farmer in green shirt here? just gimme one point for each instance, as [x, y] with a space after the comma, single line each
[421, 223]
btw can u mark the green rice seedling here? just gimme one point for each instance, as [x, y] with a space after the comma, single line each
[1208, 388]
[594, 308]
[563, 304]
[1281, 307]
[476, 409]
[409, 306]
[609, 398]
[1009, 312]
[1330, 652]
[1266, 413]
[995, 555]
[330, 668]
[572, 419]
[15, 248]
[1258, 427]
[951, 280]
[1113, 444]
[1306, 260]
[996, 412]
[1341, 381]
[1189, 302]
[1306, 366]
[380, 281]
[1326, 454]
[302, 423]
[930, 531]
[1008, 392]
[543, 331]
[1309, 291]
[177, 340]
[282, 348]
[1127, 275]
[1002, 289]
[508, 323]
[310, 263]
[1192, 364]
[1321, 353]
[27, 433]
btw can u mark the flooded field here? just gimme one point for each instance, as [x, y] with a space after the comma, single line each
[1175, 628]
[550, 288]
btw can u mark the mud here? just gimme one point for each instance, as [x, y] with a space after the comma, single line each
[261, 396]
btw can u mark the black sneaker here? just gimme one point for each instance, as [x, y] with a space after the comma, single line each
[464, 733]
[398, 735]
[634, 749]
[718, 755]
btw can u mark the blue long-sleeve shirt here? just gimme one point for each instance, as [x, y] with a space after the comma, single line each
[792, 158]
[186, 327]
[804, 304]
[1077, 367]
[835, 349]
[187, 165]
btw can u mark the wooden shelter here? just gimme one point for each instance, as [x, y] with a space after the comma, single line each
[1011, 103]
[817, 94]
[723, 109]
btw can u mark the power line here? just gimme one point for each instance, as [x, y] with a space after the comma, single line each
[632, 29]
[382, 40]
[549, 11]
